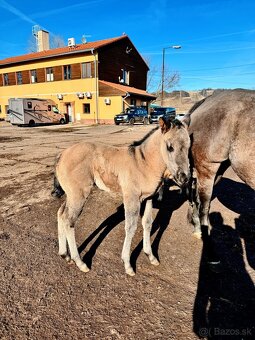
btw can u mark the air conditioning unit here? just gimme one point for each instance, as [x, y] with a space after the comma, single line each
[80, 95]
[71, 42]
[88, 94]
[107, 101]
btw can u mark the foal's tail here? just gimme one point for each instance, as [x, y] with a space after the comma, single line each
[57, 189]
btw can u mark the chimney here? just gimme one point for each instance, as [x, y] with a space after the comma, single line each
[43, 41]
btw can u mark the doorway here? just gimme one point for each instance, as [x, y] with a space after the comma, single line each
[69, 113]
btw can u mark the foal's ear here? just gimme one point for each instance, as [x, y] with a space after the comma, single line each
[164, 124]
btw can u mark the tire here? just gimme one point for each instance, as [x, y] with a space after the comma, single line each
[116, 123]
[131, 121]
[62, 121]
[31, 123]
[145, 121]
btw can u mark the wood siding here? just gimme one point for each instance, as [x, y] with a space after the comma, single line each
[12, 78]
[114, 57]
[58, 74]
[25, 77]
[40, 75]
[76, 71]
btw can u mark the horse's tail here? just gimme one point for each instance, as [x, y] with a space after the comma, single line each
[57, 189]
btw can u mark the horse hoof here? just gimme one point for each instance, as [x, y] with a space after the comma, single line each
[66, 257]
[197, 234]
[84, 268]
[155, 262]
[130, 271]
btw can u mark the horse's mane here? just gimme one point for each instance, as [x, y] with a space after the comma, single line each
[196, 105]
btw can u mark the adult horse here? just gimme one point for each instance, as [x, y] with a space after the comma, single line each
[222, 131]
[135, 171]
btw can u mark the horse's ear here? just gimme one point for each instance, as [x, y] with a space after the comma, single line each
[164, 125]
[186, 120]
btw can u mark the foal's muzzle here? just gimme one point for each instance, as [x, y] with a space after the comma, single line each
[182, 179]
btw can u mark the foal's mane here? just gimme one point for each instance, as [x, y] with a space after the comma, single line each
[141, 141]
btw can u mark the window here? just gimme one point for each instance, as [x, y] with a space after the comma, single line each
[19, 78]
[125, 76]
[33, 75]
[6, 79]
[49, 107]
[49, 74]
[133, 101]
[29, 105]
[86, 70]
[86, 108]
[67, 72]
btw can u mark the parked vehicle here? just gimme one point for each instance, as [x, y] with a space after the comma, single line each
[132, 115]
[160, 112]
[33, 111]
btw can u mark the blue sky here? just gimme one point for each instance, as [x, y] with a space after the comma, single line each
[217, 36]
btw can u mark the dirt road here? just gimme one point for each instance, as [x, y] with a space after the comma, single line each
[42, 297]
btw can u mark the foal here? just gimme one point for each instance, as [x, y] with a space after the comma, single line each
[135, 171]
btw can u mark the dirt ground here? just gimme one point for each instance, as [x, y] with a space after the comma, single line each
[42, 297]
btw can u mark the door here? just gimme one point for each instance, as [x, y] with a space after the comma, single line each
[69, 111]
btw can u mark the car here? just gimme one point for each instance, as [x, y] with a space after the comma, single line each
[132, 115]
[160, 112]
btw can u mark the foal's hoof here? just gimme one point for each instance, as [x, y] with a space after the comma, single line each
[66, 257]
[84, 268]
[197, 234]
[154, 261]
[130, 271]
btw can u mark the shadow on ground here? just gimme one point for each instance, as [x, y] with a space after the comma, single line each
[171, 202]
[224, 306]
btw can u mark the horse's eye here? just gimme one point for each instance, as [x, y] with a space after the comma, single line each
[170, 148]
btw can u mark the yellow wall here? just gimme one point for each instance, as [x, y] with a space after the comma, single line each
[68, 88]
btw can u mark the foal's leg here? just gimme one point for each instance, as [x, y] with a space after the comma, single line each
[62, 241]
[67, 217]
[147, 224]
[132, 208]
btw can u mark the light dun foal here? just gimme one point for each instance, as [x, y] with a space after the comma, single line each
[135, 171]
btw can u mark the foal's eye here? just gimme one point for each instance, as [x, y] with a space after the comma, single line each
[170, 148]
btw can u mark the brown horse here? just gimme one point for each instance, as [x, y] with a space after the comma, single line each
[135, 171]
[222, 131]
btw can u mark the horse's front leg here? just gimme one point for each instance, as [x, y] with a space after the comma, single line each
[147, 224]
[132, 208]
[205, 180]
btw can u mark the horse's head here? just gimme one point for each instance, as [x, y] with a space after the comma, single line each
[175, 149]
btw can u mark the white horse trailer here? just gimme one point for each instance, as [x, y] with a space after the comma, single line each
[34, 111]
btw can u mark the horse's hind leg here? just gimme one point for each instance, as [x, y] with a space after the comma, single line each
[147, 224]
[132, 208]
[67, 217]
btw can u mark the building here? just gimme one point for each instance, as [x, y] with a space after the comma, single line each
[91, 82]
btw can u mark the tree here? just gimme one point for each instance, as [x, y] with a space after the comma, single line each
[154, 79]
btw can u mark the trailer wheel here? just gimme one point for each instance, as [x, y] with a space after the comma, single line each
[62, 121]
[31, 123]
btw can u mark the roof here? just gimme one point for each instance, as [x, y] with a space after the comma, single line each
[127, 89]
[79, 48]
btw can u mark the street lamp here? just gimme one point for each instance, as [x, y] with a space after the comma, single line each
[176, 47]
